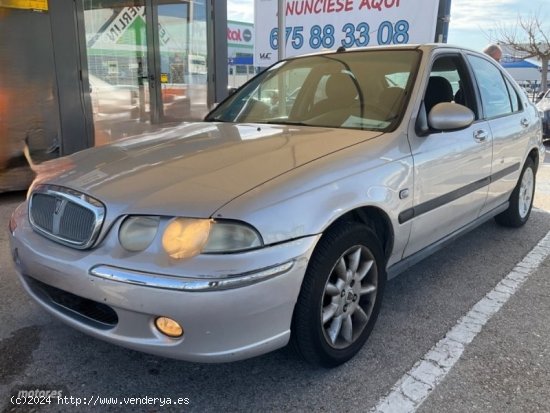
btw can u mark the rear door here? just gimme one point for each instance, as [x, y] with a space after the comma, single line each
[451, 168]
[510, 122]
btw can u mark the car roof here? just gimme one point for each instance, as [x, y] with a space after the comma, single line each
[424, 47]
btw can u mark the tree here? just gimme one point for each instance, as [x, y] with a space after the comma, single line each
[530, 38]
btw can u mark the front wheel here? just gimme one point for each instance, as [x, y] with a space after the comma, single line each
[340, 296]
[521, 200]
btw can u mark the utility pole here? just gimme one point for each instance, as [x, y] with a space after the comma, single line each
[281, 12]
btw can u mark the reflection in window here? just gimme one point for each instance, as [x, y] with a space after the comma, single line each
[116, 48]
[360, 90]
[182, 41]
[494, 93]
[514, 99]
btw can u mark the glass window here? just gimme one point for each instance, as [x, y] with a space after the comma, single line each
[122, 72]
[494, 93]
[116, 48]
[449, 82]
[514, 99]
[182, 44]
[397, 79]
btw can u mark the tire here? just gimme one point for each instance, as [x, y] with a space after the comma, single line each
[521, 200]
[340, 296]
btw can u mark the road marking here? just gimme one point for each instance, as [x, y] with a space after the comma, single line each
[415, 386]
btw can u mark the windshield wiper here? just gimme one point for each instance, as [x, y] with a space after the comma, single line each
[286, 122]
[216, 119]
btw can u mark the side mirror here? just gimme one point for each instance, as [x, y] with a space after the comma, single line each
[448, 116]
[231, 90]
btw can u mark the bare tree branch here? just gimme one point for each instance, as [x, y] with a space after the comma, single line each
[529, 37]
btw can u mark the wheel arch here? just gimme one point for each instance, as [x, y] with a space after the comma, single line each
[535, 157]
[360, 225]
[376, 219]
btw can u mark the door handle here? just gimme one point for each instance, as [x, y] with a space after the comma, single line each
[524, 122]
[480, 135]
[150, 78]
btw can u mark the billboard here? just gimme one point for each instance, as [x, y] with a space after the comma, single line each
[314, 25]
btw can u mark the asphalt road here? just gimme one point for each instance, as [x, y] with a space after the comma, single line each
[505, 368]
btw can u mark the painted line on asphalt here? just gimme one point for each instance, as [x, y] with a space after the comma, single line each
[416, 385]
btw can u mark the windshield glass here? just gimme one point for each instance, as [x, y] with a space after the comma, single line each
[360, 90]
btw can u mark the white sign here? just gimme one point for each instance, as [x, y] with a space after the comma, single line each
[314, 25]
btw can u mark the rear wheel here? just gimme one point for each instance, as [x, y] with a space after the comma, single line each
[521, 200]
[340, 296]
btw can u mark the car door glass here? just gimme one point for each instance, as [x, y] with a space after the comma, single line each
[514, 99]
[449, 82]
[494, 93]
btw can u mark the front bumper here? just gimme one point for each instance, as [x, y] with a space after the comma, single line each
[90, 291]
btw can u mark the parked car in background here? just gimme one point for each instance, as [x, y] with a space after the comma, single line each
[113, 102]
[544, 106]
[272, 222]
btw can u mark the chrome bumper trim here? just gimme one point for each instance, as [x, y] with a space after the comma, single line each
[169, 282]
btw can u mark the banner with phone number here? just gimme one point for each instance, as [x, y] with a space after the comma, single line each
[316, 25]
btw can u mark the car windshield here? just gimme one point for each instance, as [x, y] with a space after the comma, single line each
[357, 89]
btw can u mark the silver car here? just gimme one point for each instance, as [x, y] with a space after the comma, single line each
[270, 222]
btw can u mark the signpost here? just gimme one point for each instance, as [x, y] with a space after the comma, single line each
[314, 25]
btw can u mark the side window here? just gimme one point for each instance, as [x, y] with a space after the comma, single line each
[514, 99]
[449, 82]
[495, 98]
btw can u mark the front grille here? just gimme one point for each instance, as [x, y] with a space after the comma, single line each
[43, 211]
[77, 223]
[97, 314]
[66, 216]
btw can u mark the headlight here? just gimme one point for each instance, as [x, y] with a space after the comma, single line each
[137, 232]
[184, 237]
[231, 237]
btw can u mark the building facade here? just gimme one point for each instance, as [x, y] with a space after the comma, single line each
[240, 52]
[81, 73]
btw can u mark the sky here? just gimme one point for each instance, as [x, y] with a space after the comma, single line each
[474, 23]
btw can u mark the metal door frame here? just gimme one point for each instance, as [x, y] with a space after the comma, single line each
[153, 61]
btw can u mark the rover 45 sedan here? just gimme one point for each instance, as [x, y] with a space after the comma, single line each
[273, 221]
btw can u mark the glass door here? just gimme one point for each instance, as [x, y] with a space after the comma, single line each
[182, 48]
[146, 64]
[119, 63]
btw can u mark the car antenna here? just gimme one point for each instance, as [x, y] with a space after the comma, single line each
[341, 49]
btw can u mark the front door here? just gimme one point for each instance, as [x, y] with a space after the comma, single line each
[445, 200]
[143, 60]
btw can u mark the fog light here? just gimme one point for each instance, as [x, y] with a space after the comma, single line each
[168, 327]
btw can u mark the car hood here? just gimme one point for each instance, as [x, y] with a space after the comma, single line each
[194, 169]
[544, 105]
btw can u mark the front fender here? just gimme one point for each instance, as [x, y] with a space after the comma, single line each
[307, 200]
